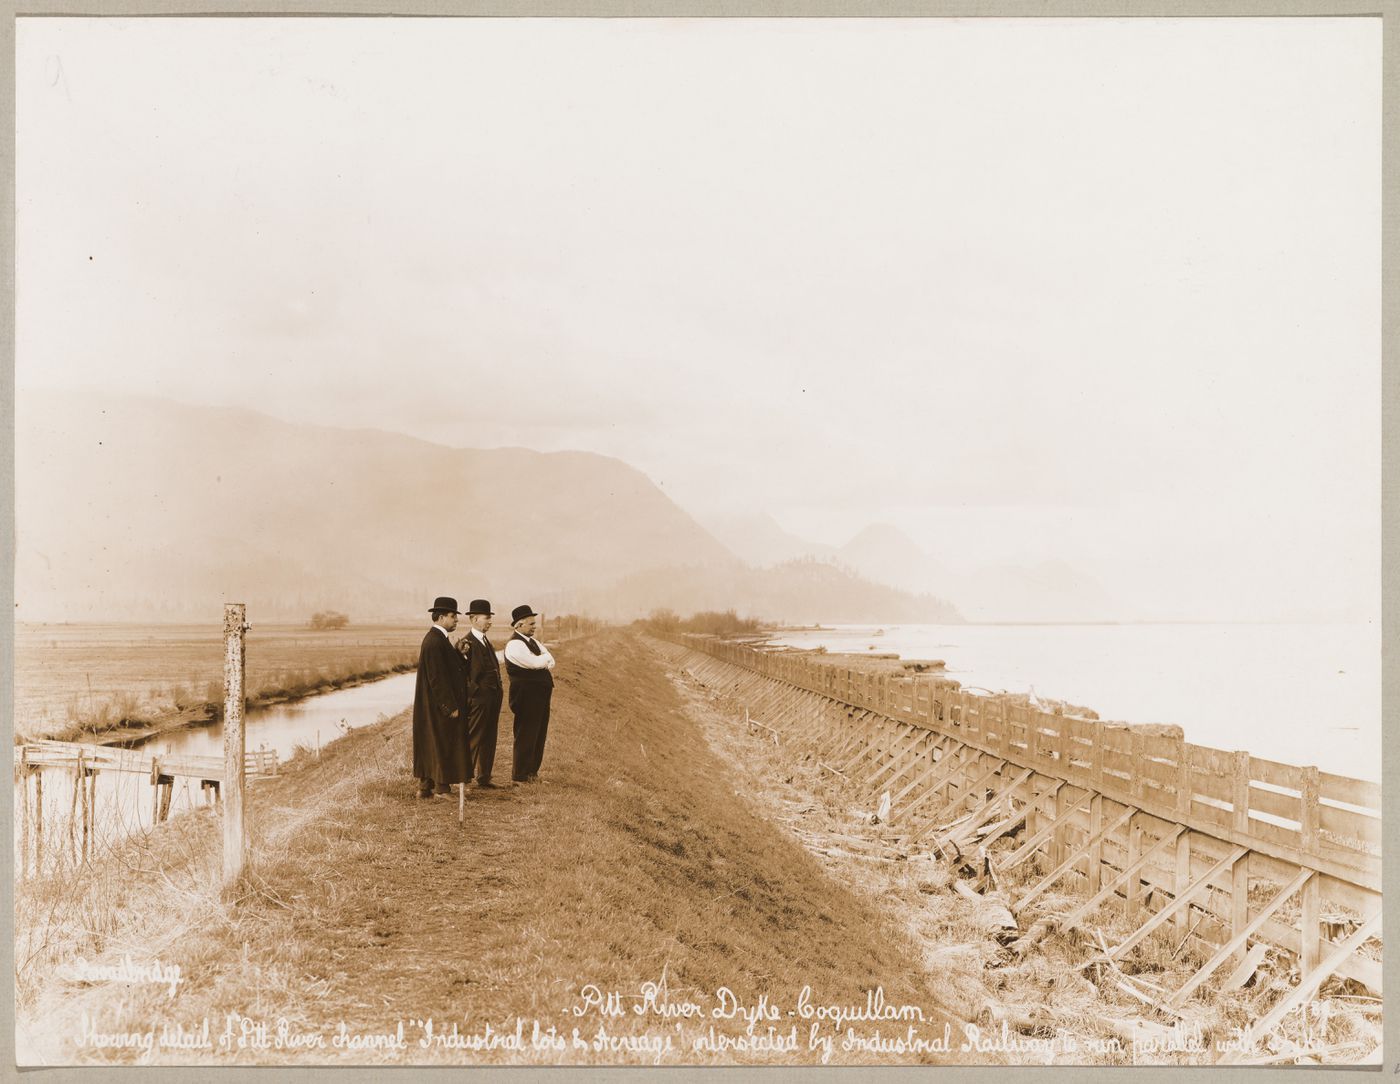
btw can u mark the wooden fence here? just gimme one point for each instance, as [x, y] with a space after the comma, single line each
[86, 761]
[1166, 826]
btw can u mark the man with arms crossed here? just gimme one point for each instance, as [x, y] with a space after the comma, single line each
[528, 662]
[483, 690]
[440, 753]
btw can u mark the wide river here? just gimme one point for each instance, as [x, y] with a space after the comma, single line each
[1301, 694]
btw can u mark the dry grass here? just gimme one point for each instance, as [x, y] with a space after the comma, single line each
[633, 860]
[78, 681]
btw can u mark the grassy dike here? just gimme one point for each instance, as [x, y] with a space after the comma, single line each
[632, 861]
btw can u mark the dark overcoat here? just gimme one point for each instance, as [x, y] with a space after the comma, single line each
[483, 703]
[440, 749]
[483, 668]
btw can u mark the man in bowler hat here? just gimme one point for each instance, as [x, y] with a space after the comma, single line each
[528, 662]
[440, 753]
[483, 690]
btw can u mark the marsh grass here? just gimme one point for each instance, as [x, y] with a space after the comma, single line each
[79, 683]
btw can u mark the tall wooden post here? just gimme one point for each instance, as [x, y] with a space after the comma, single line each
[235, 656]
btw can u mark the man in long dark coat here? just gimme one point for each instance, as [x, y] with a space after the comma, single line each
[528, 662]
[483, 690]
[441, 755]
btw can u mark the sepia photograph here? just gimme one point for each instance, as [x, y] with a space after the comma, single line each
[697, 541]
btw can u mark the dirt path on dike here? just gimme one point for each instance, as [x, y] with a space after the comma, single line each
[637, 858]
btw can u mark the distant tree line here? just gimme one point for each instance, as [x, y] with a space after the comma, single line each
[329, 619]
[566, 625]
[710, 622]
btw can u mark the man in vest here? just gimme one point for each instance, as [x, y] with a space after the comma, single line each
[440, 752]
[528, 662]
[483, 690]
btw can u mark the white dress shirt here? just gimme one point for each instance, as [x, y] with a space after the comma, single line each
[523, 657]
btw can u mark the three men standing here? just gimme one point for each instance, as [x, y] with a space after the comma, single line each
[440, 757]
[483, 690]
[457, 700]
[528, 662]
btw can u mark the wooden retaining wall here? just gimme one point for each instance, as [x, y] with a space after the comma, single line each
[1176, 832]
[85, 761]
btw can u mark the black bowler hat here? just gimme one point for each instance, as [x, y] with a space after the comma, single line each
[520, 613]
[480, 606]
[443, 604]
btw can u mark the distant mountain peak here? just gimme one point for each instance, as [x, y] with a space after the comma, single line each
[759, 539]
[884, 535]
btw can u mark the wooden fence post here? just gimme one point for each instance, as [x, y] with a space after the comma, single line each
[1309, 928]
[1135, 782]
[1095, 853]
[1183, 843]
[1057, 808]
[1239, 873]
[235, 657]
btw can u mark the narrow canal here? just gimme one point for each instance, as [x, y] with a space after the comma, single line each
[125, 801]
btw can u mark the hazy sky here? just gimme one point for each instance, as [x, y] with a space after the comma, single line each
[1105, 291]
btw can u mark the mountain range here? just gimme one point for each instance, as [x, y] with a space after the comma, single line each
[141, 509]
[1048, 591]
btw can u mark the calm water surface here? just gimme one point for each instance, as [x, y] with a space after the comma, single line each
[1301, 694]
[124, 800]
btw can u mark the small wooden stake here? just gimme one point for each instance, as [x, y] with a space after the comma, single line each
[83, 803]
[90, 829]
[38, 822]
[24, 815]
[73, 805]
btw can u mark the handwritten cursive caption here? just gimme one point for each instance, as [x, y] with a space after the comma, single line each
[647, 1025]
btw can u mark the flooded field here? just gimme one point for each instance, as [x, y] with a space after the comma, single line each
[100, 674]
